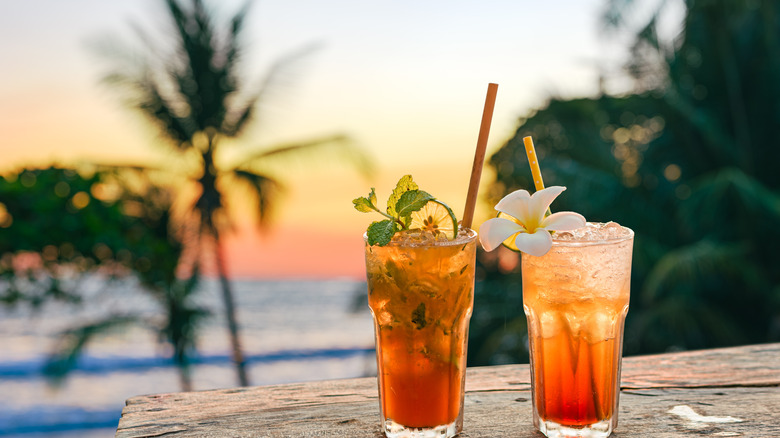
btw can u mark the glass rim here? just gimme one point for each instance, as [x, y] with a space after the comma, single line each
[608, 241]
[470, 237]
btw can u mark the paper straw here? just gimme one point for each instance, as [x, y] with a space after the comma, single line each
[479, 155]
[536, 172]
[533, 162]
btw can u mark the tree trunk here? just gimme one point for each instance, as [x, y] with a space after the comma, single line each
[230, 311]
[185, 378]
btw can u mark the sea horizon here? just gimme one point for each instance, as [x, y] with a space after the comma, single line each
[293, 330]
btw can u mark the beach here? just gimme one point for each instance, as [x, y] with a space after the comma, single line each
[292, 330]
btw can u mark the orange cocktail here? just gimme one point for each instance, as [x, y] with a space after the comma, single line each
[576, 299]
[421, 295]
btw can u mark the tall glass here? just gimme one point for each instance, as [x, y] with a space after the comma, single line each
[421, 295]
[576, 299]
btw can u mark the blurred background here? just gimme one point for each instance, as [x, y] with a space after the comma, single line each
[176, 178]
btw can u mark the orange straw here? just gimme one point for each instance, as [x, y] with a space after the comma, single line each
[479, 155]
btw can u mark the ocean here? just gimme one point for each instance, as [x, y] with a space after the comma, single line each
[293, 331]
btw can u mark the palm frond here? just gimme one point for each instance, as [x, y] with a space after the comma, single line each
[600, 188]
[729, 198]
[163, 111]
[279, 75]
[615, 13]
[207, 79]
[649, 33]
[146, 85]
[183, 316]
[232, 47]
[73, 341]
[719, 142]
[337, 147]
[263, 192]
[696, 264]
[683, 322]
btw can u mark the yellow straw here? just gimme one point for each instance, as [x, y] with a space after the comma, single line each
[533, 162]
[536, 172]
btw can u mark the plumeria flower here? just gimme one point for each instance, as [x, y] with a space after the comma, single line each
[531, 228]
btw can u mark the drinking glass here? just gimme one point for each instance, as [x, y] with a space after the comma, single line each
[575, 299]
[421, 295]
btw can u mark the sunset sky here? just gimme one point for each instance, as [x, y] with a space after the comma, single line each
[405, 79]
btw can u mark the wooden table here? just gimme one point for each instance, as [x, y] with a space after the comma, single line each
[722, 392]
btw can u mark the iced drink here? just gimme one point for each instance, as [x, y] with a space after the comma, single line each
[421, 295]
[576, 299]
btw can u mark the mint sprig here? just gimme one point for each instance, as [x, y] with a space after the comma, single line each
[405, 200]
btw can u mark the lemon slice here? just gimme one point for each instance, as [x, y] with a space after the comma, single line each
[510, 241]
[437, 218]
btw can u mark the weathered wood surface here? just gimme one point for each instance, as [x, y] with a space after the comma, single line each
[721, 392]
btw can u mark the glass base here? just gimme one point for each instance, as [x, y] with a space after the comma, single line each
[551, 429]
[395, 430]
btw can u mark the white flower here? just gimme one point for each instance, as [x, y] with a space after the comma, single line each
[531, 228]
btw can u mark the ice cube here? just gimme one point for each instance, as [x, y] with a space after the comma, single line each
[599, 327]
[384, 318]
[441, 237]
[574, 321]
[563, 235]
[595, 231]
[550, 324]
[414, 237]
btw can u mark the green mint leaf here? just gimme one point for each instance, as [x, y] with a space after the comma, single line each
[381, 232]
[366, 205]
[404, 185]
[362, 204]
[418, 317]
[410, 202]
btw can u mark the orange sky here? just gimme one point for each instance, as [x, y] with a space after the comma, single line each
[406, 81]
[318, 235]
[292, 252]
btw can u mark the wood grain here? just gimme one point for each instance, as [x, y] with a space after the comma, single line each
[668, 395]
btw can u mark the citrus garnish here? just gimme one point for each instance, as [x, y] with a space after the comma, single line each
[510, 241]
[408, 208]
[437, 218]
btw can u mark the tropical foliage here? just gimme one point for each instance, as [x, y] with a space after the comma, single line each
[689, 162]
[60, 229]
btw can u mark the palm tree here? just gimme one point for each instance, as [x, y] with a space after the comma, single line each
[193, 93]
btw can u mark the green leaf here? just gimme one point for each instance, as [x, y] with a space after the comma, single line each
[418, 317]
[366, 205]
[404, 185]
[372, 197]
[381, 232]
[411, 201]
[363, 205]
